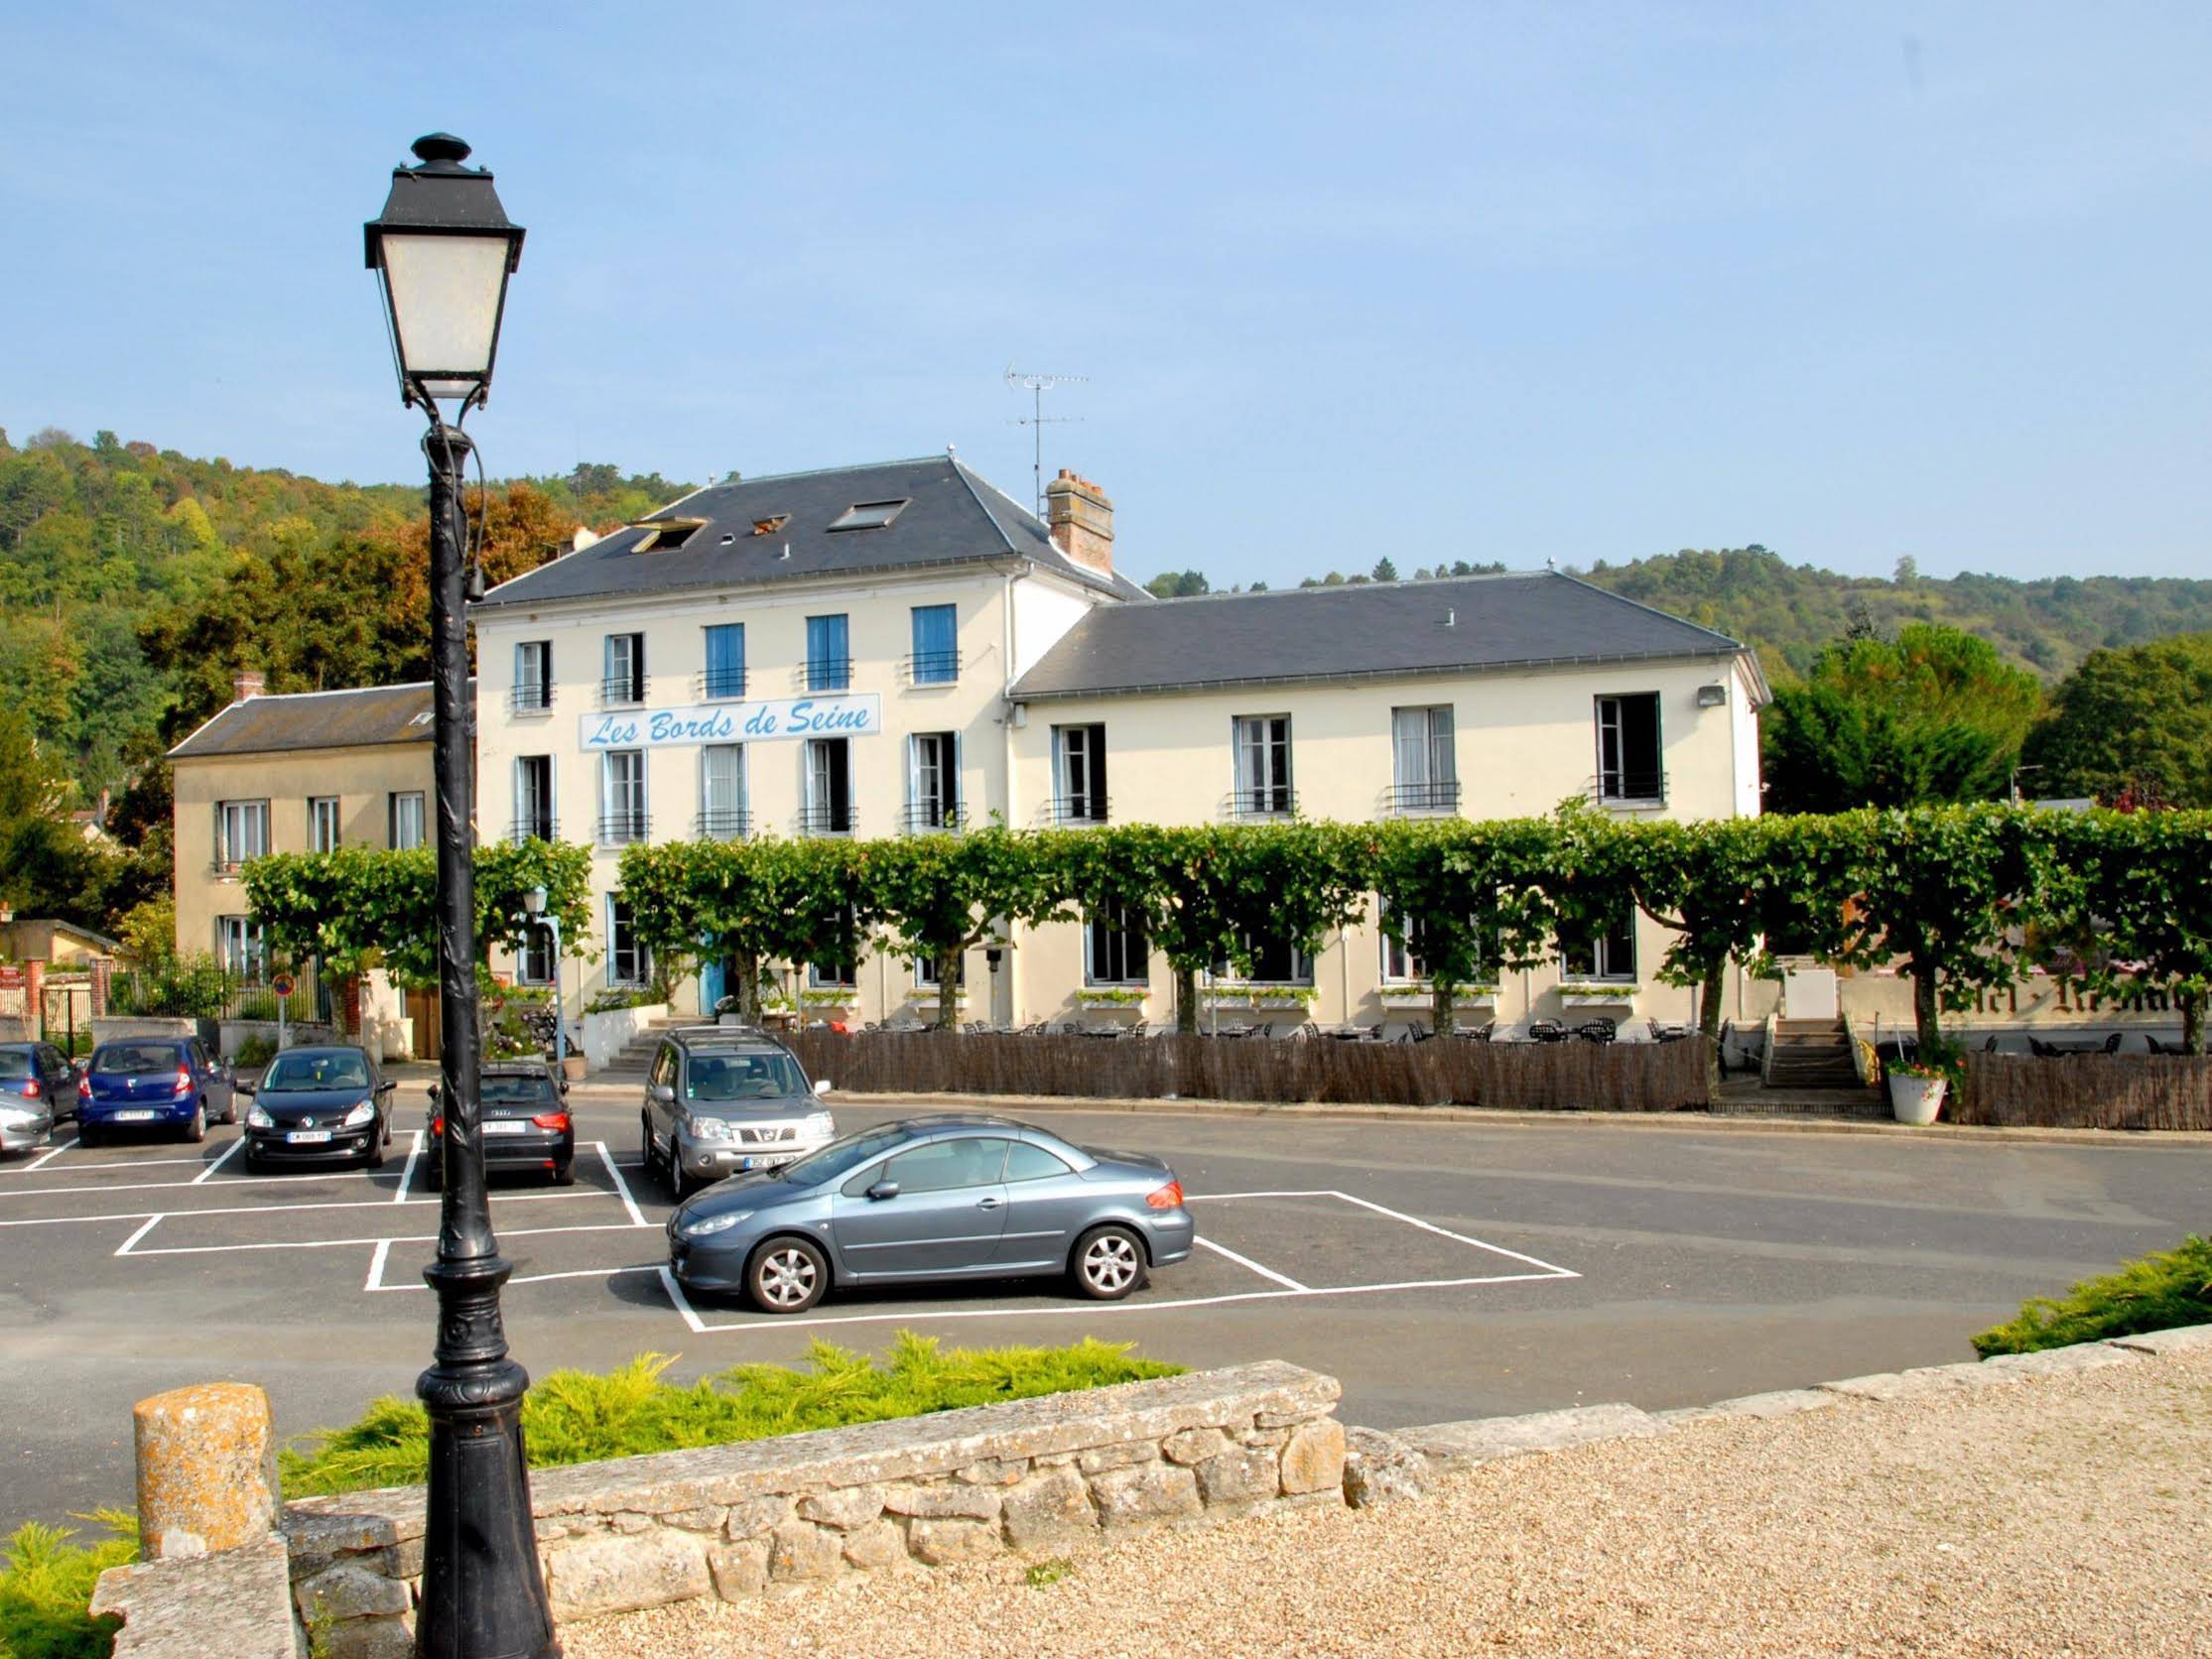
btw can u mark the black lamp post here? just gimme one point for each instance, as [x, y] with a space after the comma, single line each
[442, 250]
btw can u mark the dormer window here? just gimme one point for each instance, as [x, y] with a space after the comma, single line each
[771, 524]
[869, 515]
[670, 534]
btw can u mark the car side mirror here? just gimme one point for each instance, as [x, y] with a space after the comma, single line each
[245, 1089]
[661, 1091]
[884, 1190]
[823, 1087]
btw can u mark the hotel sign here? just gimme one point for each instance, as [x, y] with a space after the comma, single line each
[735, 722]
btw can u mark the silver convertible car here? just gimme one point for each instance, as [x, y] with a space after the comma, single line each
[949, 1197]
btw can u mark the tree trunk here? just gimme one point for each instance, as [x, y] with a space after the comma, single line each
[748, 988]
[949, 966]
[1186, 1001]
[1709, 1027]
[1928, 1012]
[1442, 1013]
[2192, 1021]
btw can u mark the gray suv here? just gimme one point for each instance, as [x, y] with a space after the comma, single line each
[721, 1099]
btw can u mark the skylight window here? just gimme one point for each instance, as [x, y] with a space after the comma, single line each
[669, 534]
[869, 515]
[771, 524]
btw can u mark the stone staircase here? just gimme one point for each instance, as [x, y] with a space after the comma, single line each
[1809, 1054]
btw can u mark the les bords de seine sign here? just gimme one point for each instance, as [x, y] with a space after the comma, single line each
[736, 722]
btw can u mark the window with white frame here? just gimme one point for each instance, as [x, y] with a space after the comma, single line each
[534, 966]
[723, 812]
[404, 819]
[1424, 766]
[534, 819]
[933, 781]
[936, 658]
[240, 946]
[622, 815]
[1402, 958]
[1263, 766]
[1608, 953]
[829, 804]
[1079, 785]
[1630, 765]
[241, 832]
[1275, 961]
[323, 826]
[533, 692]
[1114, 949]
[622, 678]
[628, 963]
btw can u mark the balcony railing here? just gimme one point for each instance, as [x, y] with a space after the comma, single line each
[826, 674]
[621, 829]
[927, 818]
[1441, 796]
[723, 825]
[626, 691]
[1627, 788]
[718, 683]
[1269, 801]
[825, 821]
[529, 699]
[931, 668]
[543, 826]
[1080, 808]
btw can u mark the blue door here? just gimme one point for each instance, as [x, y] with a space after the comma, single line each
[709, 987]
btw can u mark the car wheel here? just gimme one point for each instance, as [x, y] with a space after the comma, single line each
[231, 1112]
[787, 1276]
[679, 1183]
[1109, 1263]
[375, 1158]
[196, 1130]
[651, 1157]
[564, 1172]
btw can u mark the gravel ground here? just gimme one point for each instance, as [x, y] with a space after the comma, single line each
[2048, 1517]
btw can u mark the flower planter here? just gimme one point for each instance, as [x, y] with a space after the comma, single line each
[1914, 1100]
[576, 1068]
[1110, 1002]
[1597, 996]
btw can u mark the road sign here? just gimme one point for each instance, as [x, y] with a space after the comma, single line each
[282, 985]
[11, 978]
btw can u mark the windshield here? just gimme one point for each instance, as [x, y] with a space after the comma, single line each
[138, 1056]
[515, 1090]
[317, 1070]
[838, 1156]
[714, 1078]
[16, 1063]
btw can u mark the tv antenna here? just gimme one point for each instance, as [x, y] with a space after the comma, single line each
[1037, 385]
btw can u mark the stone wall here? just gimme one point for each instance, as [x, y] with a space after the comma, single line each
[736, 1521]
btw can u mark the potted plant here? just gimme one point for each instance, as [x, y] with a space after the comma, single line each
[1917, 1088]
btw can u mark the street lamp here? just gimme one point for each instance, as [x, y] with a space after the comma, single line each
[442, 251]
[534, 903]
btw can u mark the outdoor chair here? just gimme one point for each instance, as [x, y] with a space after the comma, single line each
[1597, 1031]
[2112, 1043]
[2157, 1047]
[1546, 1031]
[2041, 1049]
[1990, 1047]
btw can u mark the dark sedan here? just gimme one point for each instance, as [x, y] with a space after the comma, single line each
[951, 1197]
[527, 1128]
[320, 1105]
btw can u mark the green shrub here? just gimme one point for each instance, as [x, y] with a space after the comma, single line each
[46, 1589]
[579, 1417]
[255, 1052]
[2153, 1293]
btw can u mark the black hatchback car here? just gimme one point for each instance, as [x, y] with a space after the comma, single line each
[320, 1105]
[527, 1128]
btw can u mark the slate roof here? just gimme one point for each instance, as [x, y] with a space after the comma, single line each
[950, 517]
[1374, 630]
[348, 719]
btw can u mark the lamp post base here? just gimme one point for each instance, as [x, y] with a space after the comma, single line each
[482, 1596]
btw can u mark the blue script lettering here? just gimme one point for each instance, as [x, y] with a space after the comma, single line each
[805, 716]
[610, 731]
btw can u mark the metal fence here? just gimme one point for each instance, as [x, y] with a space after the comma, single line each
[2086, 1092]
[1530, 1077]
[207, 990]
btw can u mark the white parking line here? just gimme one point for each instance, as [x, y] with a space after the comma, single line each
[407, 1174]
[1459, 1238]
[543, 1278]
[336, 1243]
[1245, 1262]
[279, 1209]
[637, 1216]
[376, 1279]
[222, 1160]
[93, 1169]
[124, 1248]
[44, 1158]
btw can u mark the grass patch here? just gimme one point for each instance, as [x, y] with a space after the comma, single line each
[2151, 1292]
[45, 1588]
[1043, 1573]
[580, 1417]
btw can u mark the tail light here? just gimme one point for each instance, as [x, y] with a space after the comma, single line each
[1169, 1196]
[552, 1120]
[437, 1127]
[31, 1089]
[184, 1081]
[83, 1089]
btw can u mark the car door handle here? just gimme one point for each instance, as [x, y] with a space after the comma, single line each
[988, 1203]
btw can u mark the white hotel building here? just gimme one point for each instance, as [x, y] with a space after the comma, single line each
[901, 649]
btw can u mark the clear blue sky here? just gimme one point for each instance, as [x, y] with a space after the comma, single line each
[1483, 282]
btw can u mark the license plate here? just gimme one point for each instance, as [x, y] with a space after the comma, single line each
[504, 1126]
[134, 1117]
[307, 1137]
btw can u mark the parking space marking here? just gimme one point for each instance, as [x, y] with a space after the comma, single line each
[543, 1278]
[1459, 1238]
[336, 1244]
[621, 1187]
[1283, 1279]
[376, 1279]
[124, 1248]
[274, 1209]
[407, 1172]
[44, 1158]
[222, 1159]
[90, 1168]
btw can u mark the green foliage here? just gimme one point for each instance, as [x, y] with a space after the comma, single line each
[45, 1588]
[256, 1051]
[575, 1417]
[189, 986]
[934, 896]
[2134, 722]
[2156, 1292]
[1178, 584]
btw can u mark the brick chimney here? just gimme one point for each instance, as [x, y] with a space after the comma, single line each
[1081, 521]
[248, 683]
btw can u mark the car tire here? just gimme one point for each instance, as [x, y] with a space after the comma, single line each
[374, 1158]
[787, 1275]
[195, 1131]
[1108, 1263]
[87, 1134]
[679, 1183]
[564, 1172]
[651, 1159]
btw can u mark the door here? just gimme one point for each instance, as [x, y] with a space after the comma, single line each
[1047, 1205]
[945, 1217]
[710, 989]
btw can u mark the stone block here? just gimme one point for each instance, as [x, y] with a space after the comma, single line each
[1051, 1505]
[738, 1570]
[2062, 1361]
[845, 1510]
[696, 1520]
[1194, 1445]
[207, 1470]
[1285, 1419]
[993, 1471]
[877, 1547]
[1382, 1468]
[1780, 1402]
[237, 1604]
[1144, 1492]
[755, 1517]
[1264, 1436]
[942, 1542]
[629, 1522]
[1480, 1440]
[407, 1559]
[2183, 1339]
[938, 1503]
[801, 1552]
[1101, 1457]
[364, 1638]
[1313, 1461]
[619, 1574]
[1246, 1475]
[338, 1592]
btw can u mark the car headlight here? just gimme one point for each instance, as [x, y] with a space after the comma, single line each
[714, 1223]
[820, 1125]
[258, 1117]
[366, 1113]
[713, 1129]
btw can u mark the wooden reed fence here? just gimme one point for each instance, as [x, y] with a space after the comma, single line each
[2086, 1092]
[1528, 1077]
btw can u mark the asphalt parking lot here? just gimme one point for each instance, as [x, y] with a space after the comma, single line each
[1439, 1269]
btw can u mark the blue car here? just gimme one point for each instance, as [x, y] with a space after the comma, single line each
[154, 1083]
[37, 1089]
[937, 1198]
